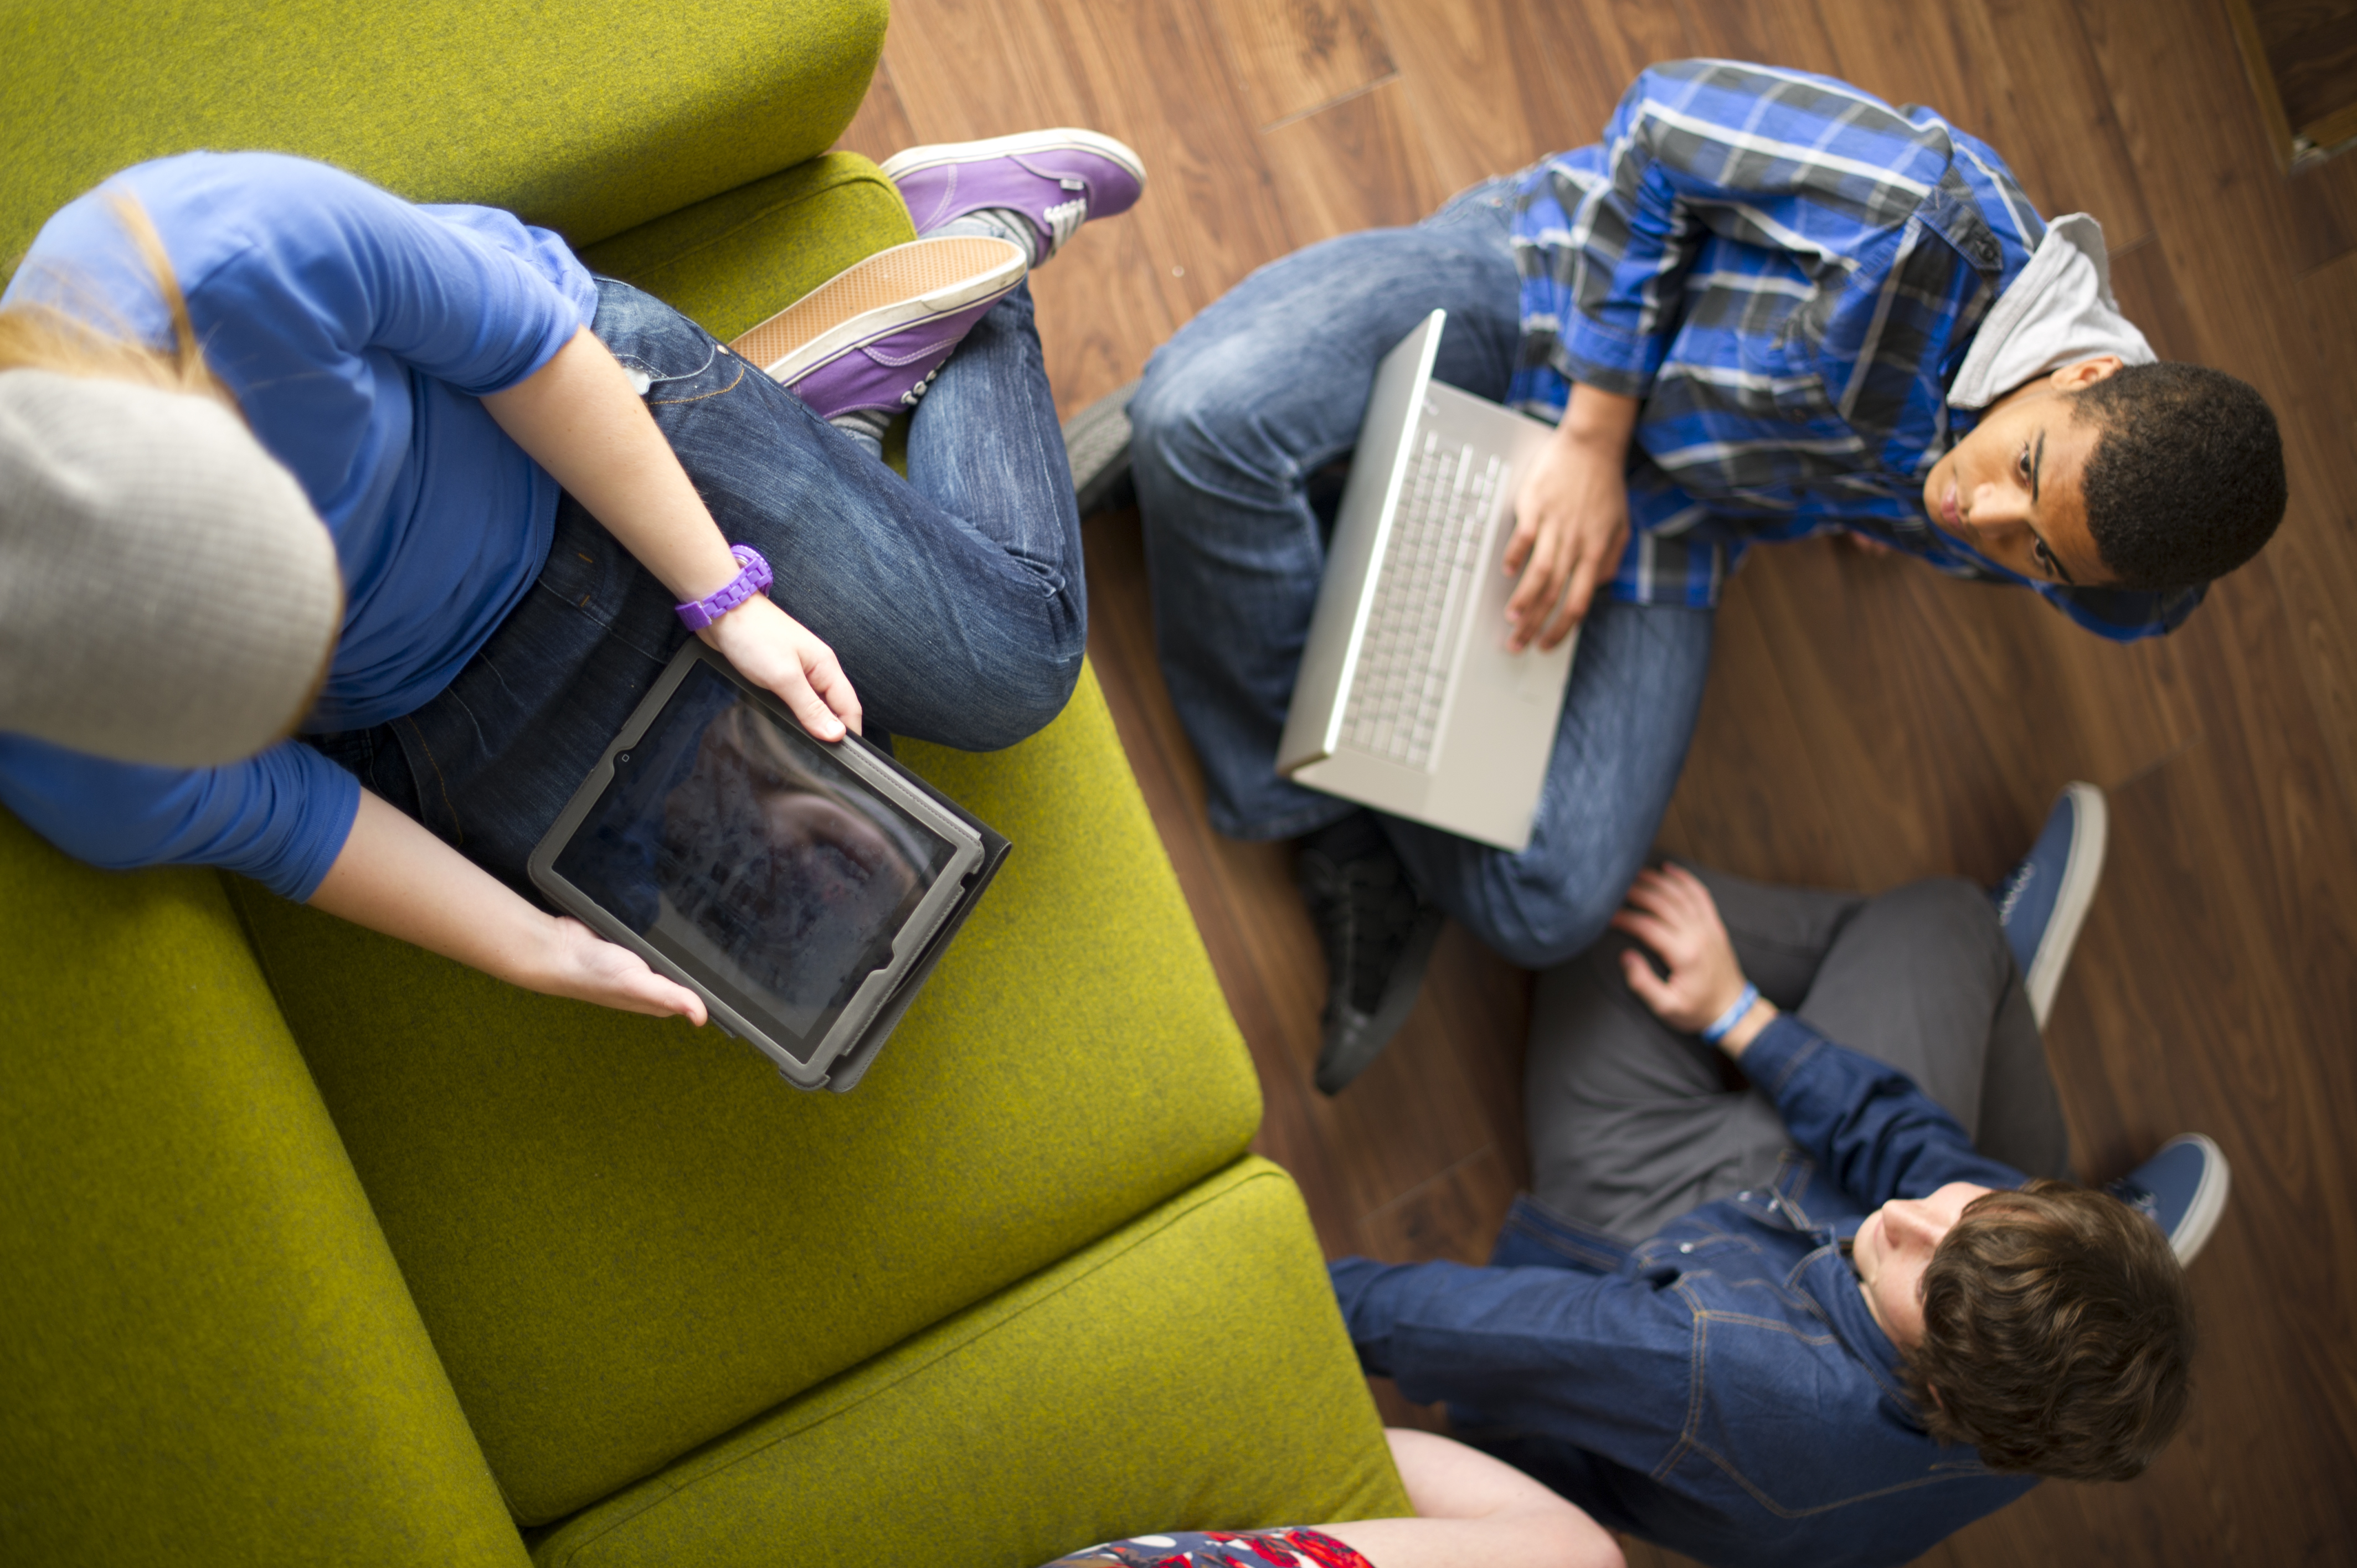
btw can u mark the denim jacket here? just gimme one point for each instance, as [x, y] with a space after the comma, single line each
[1722, 1388]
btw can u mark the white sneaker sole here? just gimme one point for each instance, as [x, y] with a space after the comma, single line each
[1062, 139]
[2081, 869]
[879, 294]
[2209, 1199]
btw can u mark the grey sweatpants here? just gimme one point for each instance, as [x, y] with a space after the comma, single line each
[1632, 1124]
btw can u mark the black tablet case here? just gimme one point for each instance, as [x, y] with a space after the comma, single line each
[853, 1064]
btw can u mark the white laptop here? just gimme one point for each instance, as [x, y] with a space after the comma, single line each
[1407, 699]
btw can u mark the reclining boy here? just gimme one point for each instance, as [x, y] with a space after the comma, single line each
[1826, 1319]
[1766, 305]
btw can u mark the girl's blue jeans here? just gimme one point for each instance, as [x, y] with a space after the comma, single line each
[955, 599]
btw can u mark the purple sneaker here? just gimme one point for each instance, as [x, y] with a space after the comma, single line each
[1059, 179]
[2044, 902]
[874, 336]
[2182, 1190]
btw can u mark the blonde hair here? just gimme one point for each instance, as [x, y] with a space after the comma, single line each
[41, 335]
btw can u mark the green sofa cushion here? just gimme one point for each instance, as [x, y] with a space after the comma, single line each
[1188, 1372]
[207, 1355]
[629, 1237]
[739, 258]
[589, 117]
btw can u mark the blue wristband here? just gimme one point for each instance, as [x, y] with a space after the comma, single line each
[1733, 1015]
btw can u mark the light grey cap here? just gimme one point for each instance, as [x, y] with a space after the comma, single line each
[167, 593]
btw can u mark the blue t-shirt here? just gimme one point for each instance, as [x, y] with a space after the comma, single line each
[359, 333]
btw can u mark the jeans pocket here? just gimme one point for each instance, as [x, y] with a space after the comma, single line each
[668, 357]
[599, 583]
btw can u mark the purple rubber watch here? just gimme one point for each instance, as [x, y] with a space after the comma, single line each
[753, 579]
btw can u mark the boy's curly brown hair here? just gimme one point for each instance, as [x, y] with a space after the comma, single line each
[2058, 1334]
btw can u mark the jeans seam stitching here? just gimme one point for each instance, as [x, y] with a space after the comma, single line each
[439, 782]
[716, 391]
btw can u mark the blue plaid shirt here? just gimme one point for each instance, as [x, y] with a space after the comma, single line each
[1788, 271]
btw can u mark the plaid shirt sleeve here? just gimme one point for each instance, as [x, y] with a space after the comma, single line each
[1795, 165]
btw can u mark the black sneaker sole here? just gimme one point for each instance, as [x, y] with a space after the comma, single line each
[1096, 444]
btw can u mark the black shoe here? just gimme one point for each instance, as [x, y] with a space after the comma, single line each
[1378, 934]
[1096, 443]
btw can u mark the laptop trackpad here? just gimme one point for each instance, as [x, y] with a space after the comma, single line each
[1541, 678]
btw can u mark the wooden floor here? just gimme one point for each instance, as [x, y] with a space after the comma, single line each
[1868, 722]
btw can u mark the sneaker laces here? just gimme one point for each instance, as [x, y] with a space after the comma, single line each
[2010, 890]
[2135, 1198]
[1064, 220]
[909, 399]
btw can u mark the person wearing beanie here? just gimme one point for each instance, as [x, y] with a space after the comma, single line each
[350, 597]
[221, 598]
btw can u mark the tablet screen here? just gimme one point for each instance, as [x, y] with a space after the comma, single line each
[740, 848]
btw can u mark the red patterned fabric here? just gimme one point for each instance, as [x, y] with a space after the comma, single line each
[1288, 1548]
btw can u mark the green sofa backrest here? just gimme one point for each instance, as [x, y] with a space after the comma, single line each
[589, 117]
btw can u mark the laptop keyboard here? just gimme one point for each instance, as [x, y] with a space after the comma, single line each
[1422, 592]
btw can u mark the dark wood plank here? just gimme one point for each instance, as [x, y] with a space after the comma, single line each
[1296, 55]
[2224, 223]
[2311, 48]
[1598, 46]
[2329, 298]
[2148, 296]
[2038, 104]
[2323, 203]
[1358, 164]
[1773, 32]
[1444, 1216]
[1486, 97]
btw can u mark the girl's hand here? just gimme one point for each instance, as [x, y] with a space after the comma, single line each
[772, 649]
[1670, 912]
[579, 419]
[393, 877]
[575, 962]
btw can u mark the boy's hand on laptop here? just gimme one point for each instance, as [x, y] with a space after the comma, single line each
[1571, 519]
[1670, 912]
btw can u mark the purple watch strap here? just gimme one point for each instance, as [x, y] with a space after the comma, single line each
[753, 579]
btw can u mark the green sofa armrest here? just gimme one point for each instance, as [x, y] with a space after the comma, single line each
[734, 261]
[1190, 1372]
[207, 1355]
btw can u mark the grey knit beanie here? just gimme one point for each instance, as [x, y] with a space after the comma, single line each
[167, 593]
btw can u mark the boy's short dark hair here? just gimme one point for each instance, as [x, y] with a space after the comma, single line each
[2187, 479]
[2058, 1334]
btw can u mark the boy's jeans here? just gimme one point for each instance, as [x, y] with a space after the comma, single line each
[1236, 413]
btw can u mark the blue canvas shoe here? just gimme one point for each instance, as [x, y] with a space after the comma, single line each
[2182, 1190]
[2042, 903]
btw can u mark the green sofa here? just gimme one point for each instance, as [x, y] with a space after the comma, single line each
[314, 1248]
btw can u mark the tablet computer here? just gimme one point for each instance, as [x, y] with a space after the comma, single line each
[802, 889]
